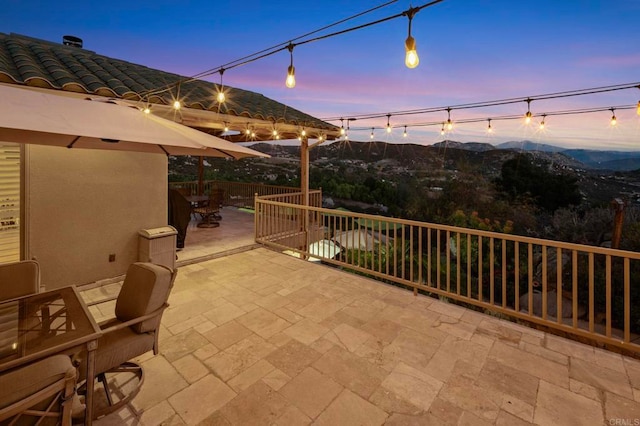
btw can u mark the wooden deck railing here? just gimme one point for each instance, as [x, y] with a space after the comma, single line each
[238, 194]
[586, 291]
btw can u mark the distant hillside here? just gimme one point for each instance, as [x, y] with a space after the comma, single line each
[530, 146]
[606, 160]
[469, 146]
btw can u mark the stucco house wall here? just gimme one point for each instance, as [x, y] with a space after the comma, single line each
[83, 205]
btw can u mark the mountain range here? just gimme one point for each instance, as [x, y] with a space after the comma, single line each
[592, 159]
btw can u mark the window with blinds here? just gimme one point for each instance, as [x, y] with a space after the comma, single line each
[9, 202]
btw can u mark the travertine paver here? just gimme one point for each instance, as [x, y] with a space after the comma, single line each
[201, 399]
[350, 409]
[556, 405]
[293, 357]
[311, 391]
[262, 338]
[227, 334]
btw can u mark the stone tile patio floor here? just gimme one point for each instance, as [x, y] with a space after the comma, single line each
[263, 338]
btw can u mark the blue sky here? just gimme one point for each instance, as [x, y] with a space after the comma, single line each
[470, 51]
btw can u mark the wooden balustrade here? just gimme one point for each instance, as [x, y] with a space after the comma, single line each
[592, 292]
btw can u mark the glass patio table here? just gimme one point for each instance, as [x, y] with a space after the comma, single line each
[44, 324]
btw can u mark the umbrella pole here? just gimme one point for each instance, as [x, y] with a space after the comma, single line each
[201, 176]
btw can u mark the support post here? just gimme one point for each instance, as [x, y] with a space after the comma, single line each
[201, 176]
[304, 188]
[618, 206]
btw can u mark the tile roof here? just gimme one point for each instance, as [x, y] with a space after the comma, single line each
[32, 62]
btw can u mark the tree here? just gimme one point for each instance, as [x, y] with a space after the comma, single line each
[520, 177]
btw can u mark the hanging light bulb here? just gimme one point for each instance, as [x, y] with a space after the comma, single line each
[147, 109]
[404, 135]
[226, 127]
[247, 131]
[442, 130]
[221, 96]
[176, 103]
[411, 59]
[346, 134]
[277, 137]
[303, 133]
[449, 122]
[638, 109]
[253, 134]
[614, 120]
[320, 138]
[342, 127]
[274, 133]
[527, 116]
[489, 128]
[388, 124]
[371, 133]
[290, 82]
[542, 123]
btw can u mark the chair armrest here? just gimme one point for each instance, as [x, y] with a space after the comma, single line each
[134, 321]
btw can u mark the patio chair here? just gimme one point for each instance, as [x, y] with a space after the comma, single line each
[211, 212]
[133, 332]
[19, 279]
[38, 393]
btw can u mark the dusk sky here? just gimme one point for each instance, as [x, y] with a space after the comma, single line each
[470, 51]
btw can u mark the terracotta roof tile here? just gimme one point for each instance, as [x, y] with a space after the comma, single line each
[33, 62]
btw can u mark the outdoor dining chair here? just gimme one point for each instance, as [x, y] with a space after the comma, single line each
[19, 279]
[211, 212]
[132, 332]
[38, 393]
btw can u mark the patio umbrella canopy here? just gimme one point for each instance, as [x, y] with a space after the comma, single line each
[27, 116]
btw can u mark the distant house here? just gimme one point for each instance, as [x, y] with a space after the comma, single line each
[77, 207]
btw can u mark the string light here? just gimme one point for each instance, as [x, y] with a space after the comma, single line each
[304, 132]
[342, 127]
[614, 120]
[527, 116]
[346, 135]
[371, 133]
[442, 130]
[226, 127]
[305, 40]
[291, 71]
[638, 109]
[221, 96]
[449, 122]
[489, 128]
[274, 133]
[542, 123]
[404, 135]
[176, 102]
[411, 59]
[147, 109]
[388, 124]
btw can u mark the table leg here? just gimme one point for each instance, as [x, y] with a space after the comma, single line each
[91, 367]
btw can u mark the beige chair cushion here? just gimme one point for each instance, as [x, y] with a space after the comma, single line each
[120, 346]
[20, 383]
[145, 289]
[19, 279]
